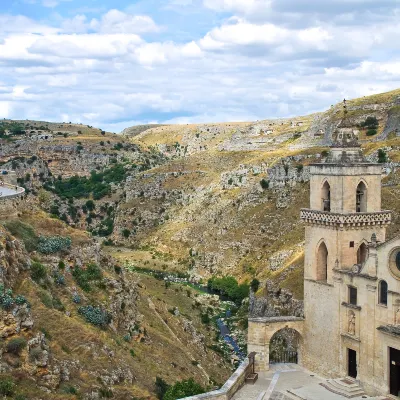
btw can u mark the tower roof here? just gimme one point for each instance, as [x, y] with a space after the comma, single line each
[345, 148]
[345, 137]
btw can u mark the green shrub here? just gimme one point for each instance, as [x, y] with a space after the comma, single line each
[38, 271]
[85, 276]
[53, 244]
[7, 386]
[255, 284]
[23, 232]
[183, 389]
[382, 156]
[371, 132]
[205, 319]
[371, 123]
[126, 233]
[161, 387]
[46, 299]
[95, 315]
[132, 352]
[16, 345]
[264, 184]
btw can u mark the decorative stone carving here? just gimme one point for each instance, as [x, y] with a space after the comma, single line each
[352, 323]
[355, 219]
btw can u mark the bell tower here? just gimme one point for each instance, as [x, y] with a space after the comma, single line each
[344, 214]
[345, 210]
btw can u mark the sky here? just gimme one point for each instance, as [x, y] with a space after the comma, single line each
[117, 63]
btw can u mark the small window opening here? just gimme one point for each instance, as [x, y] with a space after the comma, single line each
[353, 295]
[351, 244]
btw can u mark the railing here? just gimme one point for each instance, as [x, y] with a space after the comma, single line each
[232, 385]
[283, 357]
[18, 191]
[354, 219]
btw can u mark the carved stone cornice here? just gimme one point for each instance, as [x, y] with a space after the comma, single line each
[353, 220]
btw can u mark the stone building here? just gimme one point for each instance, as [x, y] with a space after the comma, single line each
[351, 326]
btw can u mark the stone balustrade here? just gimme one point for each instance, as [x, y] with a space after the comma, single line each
[8, 191]
[232, 385]
[315, 217]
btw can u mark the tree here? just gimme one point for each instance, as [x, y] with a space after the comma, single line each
[264, 184]
[183, 389]
[126, 233]
[382, 156]
[161, 387]
[90, 205]
[255, 284]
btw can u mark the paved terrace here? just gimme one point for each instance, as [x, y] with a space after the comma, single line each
[9, 191]
[290, 382]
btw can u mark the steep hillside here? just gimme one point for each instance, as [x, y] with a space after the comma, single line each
[74, 323]
[173, 202]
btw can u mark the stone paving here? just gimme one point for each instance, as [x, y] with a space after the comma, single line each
[6, 191]
[303, 385]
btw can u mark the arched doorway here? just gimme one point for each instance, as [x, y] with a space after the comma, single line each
[284, 346]
[361, 198]
[322, 262]
[326, 197]
[362, 254]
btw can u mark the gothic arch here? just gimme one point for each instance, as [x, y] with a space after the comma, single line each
[326, 196]
[362, 253]
[322, 261]
[361, 196]
[285, 346]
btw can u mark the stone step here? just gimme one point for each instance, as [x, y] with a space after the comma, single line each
[346, 387]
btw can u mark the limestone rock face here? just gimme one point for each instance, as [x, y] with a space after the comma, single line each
[38, 350]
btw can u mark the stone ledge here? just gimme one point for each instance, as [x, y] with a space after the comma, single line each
[392, 330]
[232, 385]
[351, 337]
[324, 283]
[276, 319]
[353, 306]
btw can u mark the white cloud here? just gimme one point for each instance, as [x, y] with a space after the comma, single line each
[116, 21]
[107, 73]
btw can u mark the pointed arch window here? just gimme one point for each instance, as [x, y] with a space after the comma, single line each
[326, 197]
[361, 198]
[362, 254]
[322, 262]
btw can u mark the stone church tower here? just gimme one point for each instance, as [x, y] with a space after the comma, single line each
[351, 324]
[345, 213]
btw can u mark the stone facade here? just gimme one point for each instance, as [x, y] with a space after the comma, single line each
[351, 278]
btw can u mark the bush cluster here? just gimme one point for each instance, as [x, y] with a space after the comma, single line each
[16, 345]
[7, 386]
[84, 276]
[24, 232]
[183, 389]
[229, 287]
[95, 315]
[98, 184]
[7, 300]
[53, 244]
[38, 271]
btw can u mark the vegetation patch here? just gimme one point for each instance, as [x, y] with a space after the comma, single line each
[85, 276]
[229, 287]
[53, 244]
[95, 315]
[97, 185]
[24, 232]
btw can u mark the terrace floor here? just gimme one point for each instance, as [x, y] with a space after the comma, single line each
[282, 378]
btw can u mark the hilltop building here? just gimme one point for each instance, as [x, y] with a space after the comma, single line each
[351, 326]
